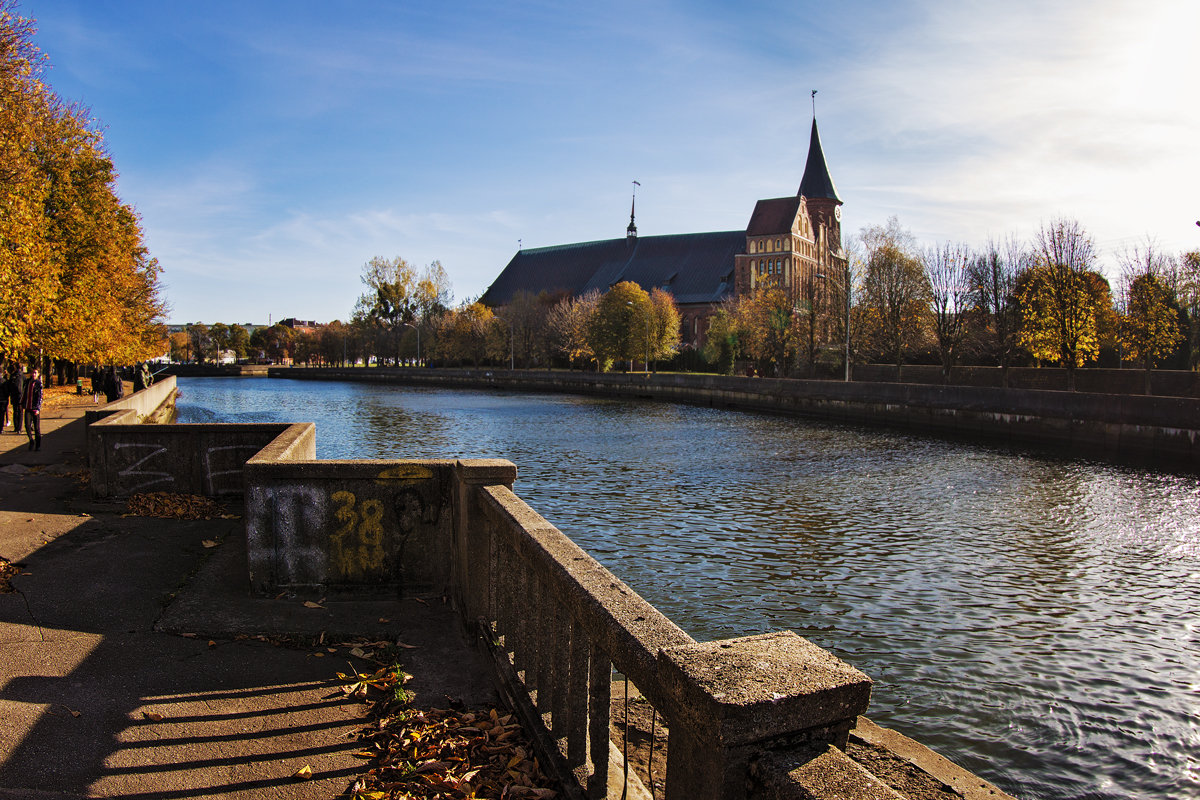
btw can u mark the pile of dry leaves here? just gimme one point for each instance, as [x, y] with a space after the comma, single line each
[440, 753]
[7, 570]
[174, 506]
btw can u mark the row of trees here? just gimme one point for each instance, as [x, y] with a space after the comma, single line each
[76, 281]
[1011, 302]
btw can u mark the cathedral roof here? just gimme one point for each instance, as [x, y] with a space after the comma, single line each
[773, 216]
[817, 181]
[694, 267]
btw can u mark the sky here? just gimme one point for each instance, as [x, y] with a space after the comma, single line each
[272, 148]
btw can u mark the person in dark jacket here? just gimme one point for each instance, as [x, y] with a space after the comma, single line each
[111, 384]
[31, 402]
[97, 384]
[5, 391]
[16, 390]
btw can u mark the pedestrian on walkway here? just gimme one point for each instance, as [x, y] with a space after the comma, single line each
[31, 401]
[5, 389]
[15, 392]
[97, 384]
[112, 383]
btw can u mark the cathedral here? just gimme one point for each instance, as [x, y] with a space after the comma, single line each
[788, 242]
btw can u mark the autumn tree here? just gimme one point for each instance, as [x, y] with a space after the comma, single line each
[993, 281]
[619, 330]
[895, 291]
[473, 333]
[664, 325]
[768, 329]
[1183, 280]
[947, 270]
[722, 340]
[1149, 324]
[1063, 300]
[76, 280]
[568, 323]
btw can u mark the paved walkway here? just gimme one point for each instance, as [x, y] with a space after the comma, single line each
[127, 663]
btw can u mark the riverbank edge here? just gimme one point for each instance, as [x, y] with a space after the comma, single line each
[1139, 429]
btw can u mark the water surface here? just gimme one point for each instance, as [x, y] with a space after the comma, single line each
[1032, 618]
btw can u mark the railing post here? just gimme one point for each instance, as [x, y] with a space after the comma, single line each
[737, 697]
[470, 571]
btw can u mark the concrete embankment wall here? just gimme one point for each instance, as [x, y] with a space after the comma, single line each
[1120, 427]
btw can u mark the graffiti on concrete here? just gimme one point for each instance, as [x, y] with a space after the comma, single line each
[232, 477]
[134, 472]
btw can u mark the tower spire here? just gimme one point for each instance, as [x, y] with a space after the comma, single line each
[817, 182]
[631, 231]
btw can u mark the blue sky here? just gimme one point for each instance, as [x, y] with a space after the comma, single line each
[272, 148]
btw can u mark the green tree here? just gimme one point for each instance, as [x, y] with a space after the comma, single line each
[199, 341]
[619, 329]
[239, 341]
[391, 300]
[220, 336]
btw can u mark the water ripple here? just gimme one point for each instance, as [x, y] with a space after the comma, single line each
[1031, 618]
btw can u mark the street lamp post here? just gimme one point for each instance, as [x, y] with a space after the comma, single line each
[845, 287]
[418, 330]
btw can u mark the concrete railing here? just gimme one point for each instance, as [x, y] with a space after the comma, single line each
[769, 716]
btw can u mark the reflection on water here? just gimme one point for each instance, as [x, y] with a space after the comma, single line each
[1032, 619]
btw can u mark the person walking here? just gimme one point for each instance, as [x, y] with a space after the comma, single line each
[31, 401]
[15, 391]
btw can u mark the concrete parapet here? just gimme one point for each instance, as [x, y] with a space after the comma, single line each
[206, 459]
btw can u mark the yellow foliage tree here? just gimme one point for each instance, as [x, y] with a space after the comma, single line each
[76, 281]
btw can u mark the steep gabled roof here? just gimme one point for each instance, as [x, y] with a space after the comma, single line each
[694, 267]
[817, 181]
[773, 216]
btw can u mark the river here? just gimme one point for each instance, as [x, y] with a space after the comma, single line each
[1029, 617]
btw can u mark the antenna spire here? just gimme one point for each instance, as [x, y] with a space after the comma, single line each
[631, 231]
[814, 103]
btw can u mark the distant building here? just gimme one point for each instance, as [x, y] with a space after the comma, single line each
[788, 242]
[300, 325]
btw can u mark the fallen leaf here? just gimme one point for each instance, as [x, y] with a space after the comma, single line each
[358, 653]
[405, 646]
[318, 655]
[153, 716]
[304, 773]
[212, 643]
[311, 604]
[384, 620]
[209, 543]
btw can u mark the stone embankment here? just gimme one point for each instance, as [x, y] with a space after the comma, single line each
[1161, 431]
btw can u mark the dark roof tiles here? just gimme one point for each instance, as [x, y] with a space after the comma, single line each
[694, 267]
